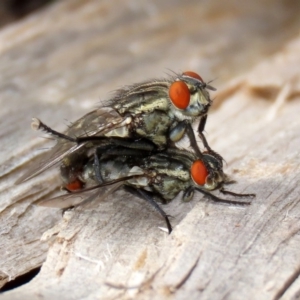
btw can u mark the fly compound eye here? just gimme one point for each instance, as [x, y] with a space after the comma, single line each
[179, 94]
[199, 172]
[193, 75]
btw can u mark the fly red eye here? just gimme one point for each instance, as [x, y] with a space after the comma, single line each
[75, 185]
[193, 74]
[199, 172]
[179, 94]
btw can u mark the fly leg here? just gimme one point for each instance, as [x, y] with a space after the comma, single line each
[37, 124]
[188, 194]
[108, 143]
[193, 142]
[148, 198]
[217, 199]
[141, 144]
[201, 127]
[179, 130]
[225, 192]
[204, 141]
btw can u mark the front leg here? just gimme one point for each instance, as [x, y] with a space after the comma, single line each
[201, 127]
[148, 197]
[178, 132]
[225, 192]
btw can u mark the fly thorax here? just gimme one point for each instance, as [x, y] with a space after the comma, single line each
[169, 187]
[142, 102]
[178, 173]
[153, 126]
[159, 102]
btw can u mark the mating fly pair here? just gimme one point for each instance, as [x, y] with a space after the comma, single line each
[130, 143]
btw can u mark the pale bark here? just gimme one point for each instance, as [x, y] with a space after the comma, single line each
[57, 62]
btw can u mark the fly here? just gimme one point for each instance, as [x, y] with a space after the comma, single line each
[154, 177]
[161, 111]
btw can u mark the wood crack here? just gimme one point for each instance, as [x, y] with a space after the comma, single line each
[287, 284]
[186, 277]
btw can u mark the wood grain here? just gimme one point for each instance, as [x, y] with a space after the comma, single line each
[56, 63]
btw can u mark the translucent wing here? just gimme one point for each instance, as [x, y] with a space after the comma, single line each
[97, 122]
[82, 198]
[69, 200]
[87, 195]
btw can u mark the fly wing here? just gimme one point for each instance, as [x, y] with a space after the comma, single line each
[95, 123]
[88, 195]
[82, 198]
[51, 158]
[69, 200]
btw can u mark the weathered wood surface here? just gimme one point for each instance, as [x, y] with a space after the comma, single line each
[56, 63]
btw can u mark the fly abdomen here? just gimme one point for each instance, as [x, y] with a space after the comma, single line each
[169, 187]
[71, 169]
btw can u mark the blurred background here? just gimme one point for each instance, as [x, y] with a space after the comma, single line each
[79, 45]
